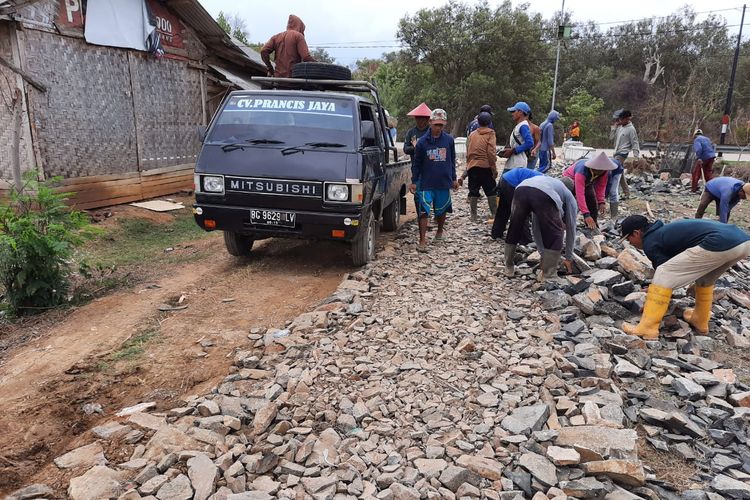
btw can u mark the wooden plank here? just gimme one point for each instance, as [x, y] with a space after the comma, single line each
[105, 194]
[106, 203]
[164, 190]
[96, 186]
[173, 168]
[163, 177]
[182, 179]
[92, 179]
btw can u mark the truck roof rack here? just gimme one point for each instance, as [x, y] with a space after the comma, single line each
[268, 82]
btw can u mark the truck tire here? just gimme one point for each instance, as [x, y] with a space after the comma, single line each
[392, 216]
[363, 246]
[321, 71]
[238, 244]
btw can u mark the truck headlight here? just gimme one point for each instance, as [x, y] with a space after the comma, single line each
[213, 184]
[337, 192]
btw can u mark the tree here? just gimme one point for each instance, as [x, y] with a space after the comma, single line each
[321, 55]
[587, 109]
[234, 25]
[471, 55]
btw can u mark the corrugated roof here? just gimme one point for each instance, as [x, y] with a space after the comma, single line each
[215, 38]
[251, 53]
[237, 80]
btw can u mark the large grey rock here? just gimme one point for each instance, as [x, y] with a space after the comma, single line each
[83, 457]
[177, 489]
[598, 443]
[453, 477]
[526, 419]
[430, 467]
[729, 487]
[606, 277]
[32, 491]
[686, 388]
[538, 466]
[203, 475]
[632, 263]
[97, 483]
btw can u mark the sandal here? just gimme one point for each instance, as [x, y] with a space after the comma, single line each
[422, 248]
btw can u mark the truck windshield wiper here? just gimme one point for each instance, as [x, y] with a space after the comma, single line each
[310, 145]
[241, 145]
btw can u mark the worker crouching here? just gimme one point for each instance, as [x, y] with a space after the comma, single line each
[683, 252]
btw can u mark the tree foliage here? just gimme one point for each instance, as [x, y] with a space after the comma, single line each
[672, 72]
[321, 55]
[233, 24]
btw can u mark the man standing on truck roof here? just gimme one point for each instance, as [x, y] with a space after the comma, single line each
[434, 171]
[289, 48]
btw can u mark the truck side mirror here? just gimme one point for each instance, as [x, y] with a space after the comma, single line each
[368, 133]
[201, 131]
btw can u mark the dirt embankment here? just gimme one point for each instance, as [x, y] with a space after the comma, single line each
[120, 349]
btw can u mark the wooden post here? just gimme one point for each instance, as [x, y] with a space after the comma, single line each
[203, 97]
[15, 147]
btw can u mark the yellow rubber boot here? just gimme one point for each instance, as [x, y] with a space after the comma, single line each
[699, 315]
[657, 303]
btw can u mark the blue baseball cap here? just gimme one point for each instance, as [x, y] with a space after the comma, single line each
[520, 106]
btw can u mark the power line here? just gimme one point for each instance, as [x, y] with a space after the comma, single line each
[394, 42]
[578, 38]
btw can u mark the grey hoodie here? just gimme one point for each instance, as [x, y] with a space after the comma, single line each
[626, 140]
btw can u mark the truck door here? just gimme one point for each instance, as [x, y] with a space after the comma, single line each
[374, 154]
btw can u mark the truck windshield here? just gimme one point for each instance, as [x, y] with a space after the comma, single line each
[290, 119]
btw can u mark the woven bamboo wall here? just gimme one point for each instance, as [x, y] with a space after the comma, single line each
[8, 82]
[85, 120]
[167, 100]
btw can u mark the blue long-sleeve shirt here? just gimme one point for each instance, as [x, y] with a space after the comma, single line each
[516, 176]
[662, 241]
[726, 190]
[704, 149]
[528, 140]
[434, 165]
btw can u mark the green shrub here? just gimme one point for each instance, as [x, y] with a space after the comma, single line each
[38, 234]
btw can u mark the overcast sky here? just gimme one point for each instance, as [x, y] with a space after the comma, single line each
[333, 23]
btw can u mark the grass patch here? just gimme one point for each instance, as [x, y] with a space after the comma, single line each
[139, 240]
[133, 347]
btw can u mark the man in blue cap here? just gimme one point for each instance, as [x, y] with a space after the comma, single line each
[520, 142]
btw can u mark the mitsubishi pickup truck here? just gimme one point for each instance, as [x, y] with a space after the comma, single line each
[300, 158]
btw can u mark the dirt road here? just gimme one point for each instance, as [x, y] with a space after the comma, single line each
[120, 349]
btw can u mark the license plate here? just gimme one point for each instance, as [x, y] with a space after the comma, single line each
[273, 218]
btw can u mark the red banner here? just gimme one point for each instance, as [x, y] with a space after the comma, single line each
[168, 25]
[70, 13]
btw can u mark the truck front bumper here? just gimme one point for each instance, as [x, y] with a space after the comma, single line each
[307, 225]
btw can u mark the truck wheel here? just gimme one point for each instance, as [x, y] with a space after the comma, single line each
[238, 244]
[363, 246]
[321, 71]
[392, 216]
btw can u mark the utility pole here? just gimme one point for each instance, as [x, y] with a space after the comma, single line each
[557, 59]
[730, 90]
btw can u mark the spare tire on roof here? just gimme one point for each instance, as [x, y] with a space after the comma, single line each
[321, 71]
